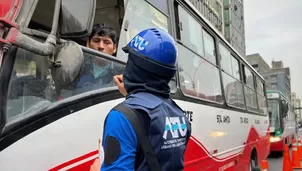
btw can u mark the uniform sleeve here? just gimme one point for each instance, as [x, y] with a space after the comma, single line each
[119, 143]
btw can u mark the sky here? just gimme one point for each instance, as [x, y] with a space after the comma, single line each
[273, 28]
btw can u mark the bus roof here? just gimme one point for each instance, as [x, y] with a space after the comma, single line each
[280, 94]
[273, 91]
[220, 35]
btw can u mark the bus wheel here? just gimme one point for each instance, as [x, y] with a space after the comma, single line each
[253, 166]
[254, 161]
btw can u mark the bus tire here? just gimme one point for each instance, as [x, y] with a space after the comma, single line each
[254, 161]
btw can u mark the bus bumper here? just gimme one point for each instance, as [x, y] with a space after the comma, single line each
[277, 146]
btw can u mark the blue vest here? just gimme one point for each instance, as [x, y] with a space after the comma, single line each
[169, 130]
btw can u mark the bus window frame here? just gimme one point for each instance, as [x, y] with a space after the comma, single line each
[7, 126]
[217, 39]
[5, 75]
[179, 41]
[23, 119]
[152, 3]
[233, 55]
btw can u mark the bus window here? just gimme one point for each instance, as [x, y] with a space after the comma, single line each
[89, 80]
[32, 89]
[231, 78]
[249, 77]
[209, 47]
[139, 15]
[235, 68]
[233, 91]
[261, 98]
[249, 90]
[262, 104]
[260, 87]
[274, 114]
[225, 55]
[191, 34]
[229, 63]
[42, 16]
[29, 90]
[250, 97]
[162, 5]
[198, 77]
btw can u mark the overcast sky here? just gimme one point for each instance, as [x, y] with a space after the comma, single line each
[273, 28]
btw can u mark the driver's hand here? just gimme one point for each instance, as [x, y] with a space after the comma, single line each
[118, 80]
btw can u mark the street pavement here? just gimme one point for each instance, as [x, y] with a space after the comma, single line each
[275, 162]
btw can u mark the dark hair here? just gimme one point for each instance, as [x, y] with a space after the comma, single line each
[103, 30]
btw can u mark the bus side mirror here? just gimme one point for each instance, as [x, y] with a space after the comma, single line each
[67, 64]
[284, 108]
[76, 18]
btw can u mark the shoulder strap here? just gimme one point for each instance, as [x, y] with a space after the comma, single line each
[143, 139]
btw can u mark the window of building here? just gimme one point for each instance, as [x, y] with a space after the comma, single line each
[274, 85]
[273, 77]
[255, 66]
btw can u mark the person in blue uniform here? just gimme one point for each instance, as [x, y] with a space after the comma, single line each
[150, 67]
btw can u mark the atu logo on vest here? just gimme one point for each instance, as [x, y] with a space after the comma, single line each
[139, 42]
[176, 126]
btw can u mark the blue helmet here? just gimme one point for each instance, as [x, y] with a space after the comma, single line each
[154, 44]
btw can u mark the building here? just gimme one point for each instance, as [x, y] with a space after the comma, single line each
[234, 30]
[258, 63]
[278, 78]
[299, 112]
[294, 102]
[228, 18]
[294, 98]
[212, 10]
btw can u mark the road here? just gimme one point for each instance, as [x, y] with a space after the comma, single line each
[275, 162]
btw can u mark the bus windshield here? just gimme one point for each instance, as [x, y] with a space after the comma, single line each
[32, 88]
[274, 114]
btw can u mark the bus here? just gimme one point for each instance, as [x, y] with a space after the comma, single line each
[282, 120]
[46, 124]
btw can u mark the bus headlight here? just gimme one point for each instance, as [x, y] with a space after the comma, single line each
[275, 139]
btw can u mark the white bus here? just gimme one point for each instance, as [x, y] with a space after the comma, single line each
[221, 94]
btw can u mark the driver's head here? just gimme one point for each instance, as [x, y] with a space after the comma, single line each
[103, 38]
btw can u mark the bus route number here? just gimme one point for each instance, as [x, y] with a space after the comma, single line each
[223, 119]
[244, 120]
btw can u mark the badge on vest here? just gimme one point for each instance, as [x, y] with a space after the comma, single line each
[175, 132]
